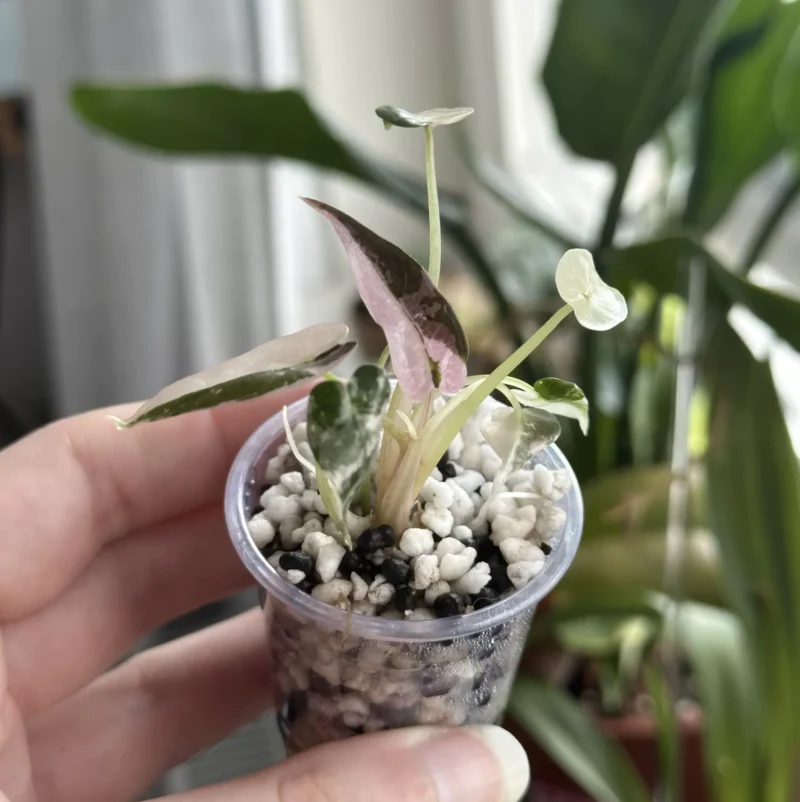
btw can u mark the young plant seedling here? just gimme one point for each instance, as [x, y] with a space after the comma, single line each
[408, 430]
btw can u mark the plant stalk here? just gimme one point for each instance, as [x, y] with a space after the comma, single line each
[678, 499]
[435, 223]
[773, 220]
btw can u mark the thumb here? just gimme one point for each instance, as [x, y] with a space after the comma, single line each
[468, 764]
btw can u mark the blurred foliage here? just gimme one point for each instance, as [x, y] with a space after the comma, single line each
[715, 85]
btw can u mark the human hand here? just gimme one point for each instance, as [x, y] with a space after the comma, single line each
[104, 536]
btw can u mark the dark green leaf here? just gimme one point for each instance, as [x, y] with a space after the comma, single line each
[278, 363]
[662, 262]
[721, 660]
[391, 115]
[780, 312]
[738, 131]
[754, 502]
[574, 741]
[344, 425]
[615, 603]
[558, 397]
[219, 120]
[650, 406]
[617, 69]
[426, 342]
[666, 718]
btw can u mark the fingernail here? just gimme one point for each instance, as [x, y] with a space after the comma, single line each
[476, 763]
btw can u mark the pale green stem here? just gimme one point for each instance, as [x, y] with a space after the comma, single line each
[435, 224]
[384, 358]
[438, 433]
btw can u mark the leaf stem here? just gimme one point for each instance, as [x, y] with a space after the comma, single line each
[435, 223]
[772, 221]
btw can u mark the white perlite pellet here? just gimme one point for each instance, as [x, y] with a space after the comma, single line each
[550, 520]
[454, 566]
[360, 587]
[522, 572]
[471, 457]
[356, 524]
[381, 591]
[498, 506]
[490, 462]
[416, 541]
[434, 591]
[295, 576]
[561, 483]
[504, 527]
[334, 592]
[426, 571]
[456, 448]
[462, 533]
[274, 561]
[364, 607]
[328, 559]
[469, 481]
[261, 530]
[300, 432]
[436, 493]
[308, 500]
[287, 528]
[293, 482]
[274, 492]
[476, 578]
[463, 508]
[448, 546]
[438, 520]
[516, 550]
[279, 508]
[314, 541]
[542, 480]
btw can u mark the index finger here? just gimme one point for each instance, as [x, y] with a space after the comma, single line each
[77, 484]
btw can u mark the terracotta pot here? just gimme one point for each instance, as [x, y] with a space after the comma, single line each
[638, 736]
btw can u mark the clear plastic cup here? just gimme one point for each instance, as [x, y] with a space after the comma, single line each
[340, 675]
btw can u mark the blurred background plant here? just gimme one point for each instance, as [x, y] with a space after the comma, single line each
[677, 630]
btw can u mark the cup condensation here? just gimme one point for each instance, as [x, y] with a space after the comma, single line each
[339, 675]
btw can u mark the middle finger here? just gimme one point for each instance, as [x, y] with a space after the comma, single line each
[135, 585]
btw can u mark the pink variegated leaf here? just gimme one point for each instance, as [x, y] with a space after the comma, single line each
[426, 342]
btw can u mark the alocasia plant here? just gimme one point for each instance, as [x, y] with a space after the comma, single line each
[427, 351]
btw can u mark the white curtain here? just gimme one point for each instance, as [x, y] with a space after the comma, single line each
[157, 267]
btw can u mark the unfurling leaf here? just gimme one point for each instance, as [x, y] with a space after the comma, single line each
[278, 363]
[559, 397]
[391, 115]
[516, 435]
[428, 347]
[344, 425]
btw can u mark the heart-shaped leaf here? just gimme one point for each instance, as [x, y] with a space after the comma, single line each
[426, 342]
[391, 115]
[516, 435]
[278, 363]
[344, 425]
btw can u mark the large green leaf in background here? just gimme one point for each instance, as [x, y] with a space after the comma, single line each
[662, 262]
[716, 645]
[754, 504]
[219, 120]
[216, 120]
[616, 69]
[572, 739]
[738, 131]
